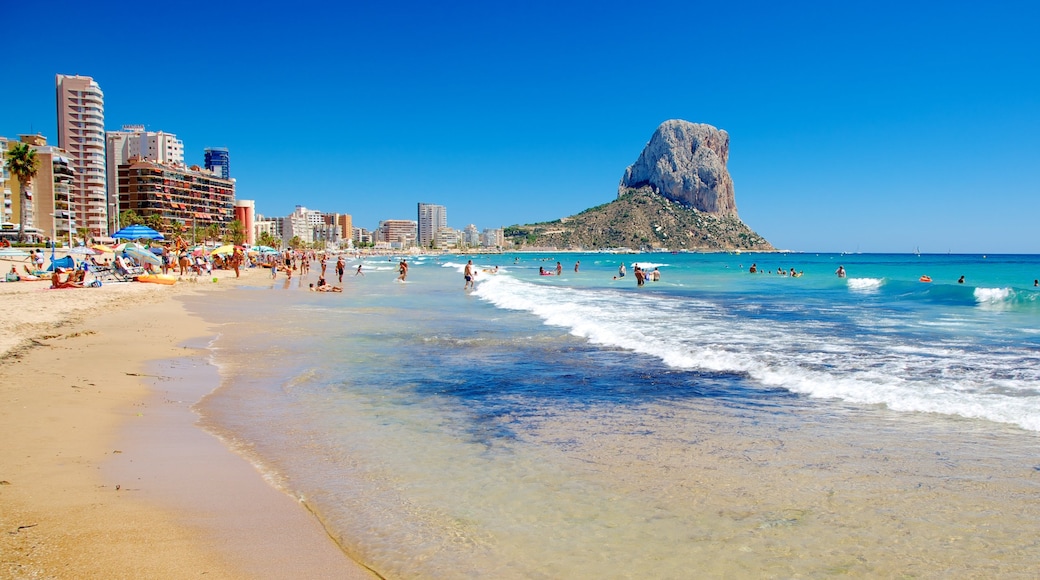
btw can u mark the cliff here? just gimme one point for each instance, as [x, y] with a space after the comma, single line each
[686, 162]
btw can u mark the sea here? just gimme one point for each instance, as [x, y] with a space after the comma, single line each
[714, 423]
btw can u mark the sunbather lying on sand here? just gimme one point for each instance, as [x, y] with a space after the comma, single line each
[74, 279]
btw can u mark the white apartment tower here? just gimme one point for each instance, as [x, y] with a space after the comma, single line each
[431, 218]
[81, 133]
[134, 141]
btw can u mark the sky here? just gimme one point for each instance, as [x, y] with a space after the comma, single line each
[870, 127]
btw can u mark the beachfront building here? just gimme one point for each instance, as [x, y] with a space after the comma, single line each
[399, 234]
[301, 223]
[52, 194]
[326, 234]
[245, 210]
[471, 236]
[362, 237]
[188, 196]
[270, 226]
[50, 212]
[134, 142]
[5, 185]
[431, 219]
[493, 238]
[218, 161]
[81, 132]
[447, 238]
[344, 227]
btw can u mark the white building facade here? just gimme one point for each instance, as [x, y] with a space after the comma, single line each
[81, 133]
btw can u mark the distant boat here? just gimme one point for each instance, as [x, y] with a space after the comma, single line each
[917, 251]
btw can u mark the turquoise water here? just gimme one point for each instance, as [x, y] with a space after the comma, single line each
[715, 422]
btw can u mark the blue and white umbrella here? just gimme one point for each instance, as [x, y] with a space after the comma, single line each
[137, 232]
[142, 256]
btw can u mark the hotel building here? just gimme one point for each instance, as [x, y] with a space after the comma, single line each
[81, 132]
[189, 196]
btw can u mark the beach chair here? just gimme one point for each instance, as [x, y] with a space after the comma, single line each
[102, 273]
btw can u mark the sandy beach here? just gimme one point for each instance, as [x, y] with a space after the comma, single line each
[103, 473]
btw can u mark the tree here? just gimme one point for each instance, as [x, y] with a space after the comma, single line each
[236, 233]
[268, 239]
[23, 164]
[296, 243]
[212, 232]
[156, 222]
[129, 218]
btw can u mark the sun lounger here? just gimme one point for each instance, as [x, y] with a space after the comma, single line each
[102, 273]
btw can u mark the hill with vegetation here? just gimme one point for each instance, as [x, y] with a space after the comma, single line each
[639, 219]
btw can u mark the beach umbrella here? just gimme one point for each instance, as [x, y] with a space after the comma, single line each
[223, 250]
[137, 232]
[141, 255]
[101, 248]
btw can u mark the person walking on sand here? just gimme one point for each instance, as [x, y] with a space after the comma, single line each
[469, 274]
[403, 269]
[340, 267]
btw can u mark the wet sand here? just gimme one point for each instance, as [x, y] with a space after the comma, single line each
[103, 473]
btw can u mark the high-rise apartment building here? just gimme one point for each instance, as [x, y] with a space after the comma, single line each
[81, 133]
[134, 142]
[431, 218]
[216, 160]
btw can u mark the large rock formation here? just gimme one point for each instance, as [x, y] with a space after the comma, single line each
[677, 196]
[686, 163]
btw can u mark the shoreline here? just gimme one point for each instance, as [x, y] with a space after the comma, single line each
[83, 407]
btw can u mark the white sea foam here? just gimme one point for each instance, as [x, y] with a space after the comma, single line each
[992, 295]
[871, 366]
[648, 265]
[865, 284]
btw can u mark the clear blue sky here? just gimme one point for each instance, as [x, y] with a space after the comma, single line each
[880, 126]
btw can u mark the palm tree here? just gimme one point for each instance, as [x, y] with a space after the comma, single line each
[236, 233]
[23, 164]
[156, 222]
[268, 239]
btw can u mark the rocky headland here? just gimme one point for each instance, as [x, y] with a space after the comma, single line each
[678, 195]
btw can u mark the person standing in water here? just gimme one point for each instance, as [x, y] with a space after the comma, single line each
[403, 269]
[621, 270]
[469, 274]
[840, 271]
